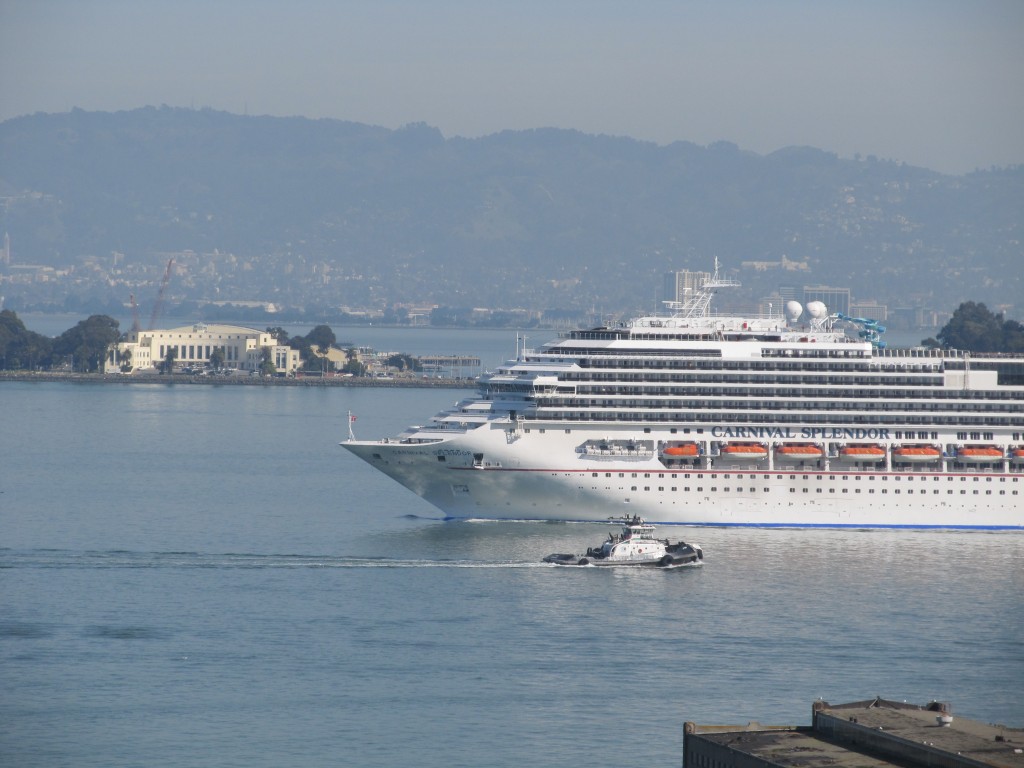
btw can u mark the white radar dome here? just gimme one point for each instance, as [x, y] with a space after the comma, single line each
[817, 310]
[793, 310]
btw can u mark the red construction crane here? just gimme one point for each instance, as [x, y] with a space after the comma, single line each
[160, 295]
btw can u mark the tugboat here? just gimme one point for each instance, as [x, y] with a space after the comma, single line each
[636, 545]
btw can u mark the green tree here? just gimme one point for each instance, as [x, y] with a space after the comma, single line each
[403, 362]
[323, 338]
[167, 364]
[280, 334]
[354, 367]
[217, 358]
[1013, 336]
[352, 364]
[87, 342]
[975, 329]
[20, 347]
[302, 344]
[126, 361]
[267, 367]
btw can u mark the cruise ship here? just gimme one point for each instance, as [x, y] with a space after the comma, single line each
[801, 418]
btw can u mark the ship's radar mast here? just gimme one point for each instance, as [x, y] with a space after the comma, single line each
[696, 305]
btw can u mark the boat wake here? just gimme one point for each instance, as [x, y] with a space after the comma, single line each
[94, 560]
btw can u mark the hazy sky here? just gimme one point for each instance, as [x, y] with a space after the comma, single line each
[935, 83]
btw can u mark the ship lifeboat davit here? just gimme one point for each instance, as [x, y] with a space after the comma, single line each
[682, 450]
[979, 454]
[744, 451]
[862, 453]
[801, 451]
[917, 453]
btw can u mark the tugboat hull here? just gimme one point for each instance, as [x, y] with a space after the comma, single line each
[634, 547]
[665, 561]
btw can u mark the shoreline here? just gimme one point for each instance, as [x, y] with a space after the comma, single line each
[248, 381]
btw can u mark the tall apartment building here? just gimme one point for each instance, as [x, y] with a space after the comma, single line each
[872, 310]
[678, 286]
[836, 299]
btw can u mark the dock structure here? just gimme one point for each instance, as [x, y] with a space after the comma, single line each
[863, 734]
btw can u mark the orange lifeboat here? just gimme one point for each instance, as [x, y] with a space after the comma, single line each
[917, 453]
[1017, 455]
[862, 453]
[682, 450]
[744, 451]
[979, 454]
[800, 451]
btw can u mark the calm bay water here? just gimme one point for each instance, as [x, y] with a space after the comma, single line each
[199, 575]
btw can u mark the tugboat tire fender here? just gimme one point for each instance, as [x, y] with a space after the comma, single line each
[583, 561]
[665, 561]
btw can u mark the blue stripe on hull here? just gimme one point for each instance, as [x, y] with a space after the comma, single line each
[795, 526]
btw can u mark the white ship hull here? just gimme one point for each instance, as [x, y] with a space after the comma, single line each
[540, 476]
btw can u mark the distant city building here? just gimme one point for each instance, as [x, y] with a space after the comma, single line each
[784, 263]
[870, 310]
[771, 306]
[836, 299]
[419, 314]
[680, 285]
[264, 306]
[193, 345]
[833, 298]
[914, 318]
[790, 293]
[864, 734]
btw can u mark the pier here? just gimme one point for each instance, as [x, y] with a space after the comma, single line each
[866, 734]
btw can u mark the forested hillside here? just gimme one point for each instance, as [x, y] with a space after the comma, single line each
[302, 211]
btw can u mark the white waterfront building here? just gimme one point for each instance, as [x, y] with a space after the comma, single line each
[194, 344]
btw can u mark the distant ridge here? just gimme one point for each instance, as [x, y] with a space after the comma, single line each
[348, 214]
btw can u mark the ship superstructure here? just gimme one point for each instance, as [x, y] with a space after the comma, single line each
[691, 417]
